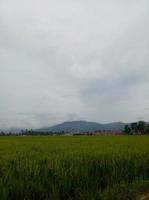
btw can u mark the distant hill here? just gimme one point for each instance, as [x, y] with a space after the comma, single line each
[83, 126]
[11, 130]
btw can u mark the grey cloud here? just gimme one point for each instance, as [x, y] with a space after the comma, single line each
[73, 60]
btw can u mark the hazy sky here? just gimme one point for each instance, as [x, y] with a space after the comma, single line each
[73, 60]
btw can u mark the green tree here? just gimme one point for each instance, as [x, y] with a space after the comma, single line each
[134, 128]
[147, 129]
[141, 127]
[127, 129]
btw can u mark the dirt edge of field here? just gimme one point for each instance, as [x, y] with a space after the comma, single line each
[144, 196]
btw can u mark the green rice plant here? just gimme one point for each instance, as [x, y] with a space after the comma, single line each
[73, 168]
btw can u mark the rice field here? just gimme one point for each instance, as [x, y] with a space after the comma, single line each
[73, 168]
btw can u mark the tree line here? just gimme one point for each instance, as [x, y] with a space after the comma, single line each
[137, 128]
[30, 132]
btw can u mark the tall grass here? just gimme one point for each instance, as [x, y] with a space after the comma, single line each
[72, 168]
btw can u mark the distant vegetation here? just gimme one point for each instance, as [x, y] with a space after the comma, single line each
[73, 168]
[31, 132]
[86, 128]
[138, 128]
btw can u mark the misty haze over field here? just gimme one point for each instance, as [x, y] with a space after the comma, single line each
[73, 60]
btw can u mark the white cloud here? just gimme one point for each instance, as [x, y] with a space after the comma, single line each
[73, 60]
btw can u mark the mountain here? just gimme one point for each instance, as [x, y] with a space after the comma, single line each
[83, 126]
[11, 130]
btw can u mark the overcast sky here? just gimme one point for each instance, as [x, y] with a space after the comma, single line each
[73, 60]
